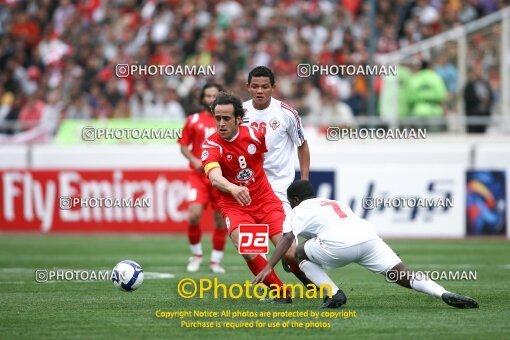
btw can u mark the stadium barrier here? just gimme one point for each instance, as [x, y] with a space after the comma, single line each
[33, 180]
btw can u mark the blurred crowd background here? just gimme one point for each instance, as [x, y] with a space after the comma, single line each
[58, 57]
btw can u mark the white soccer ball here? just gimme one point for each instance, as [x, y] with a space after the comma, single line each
[127, 276]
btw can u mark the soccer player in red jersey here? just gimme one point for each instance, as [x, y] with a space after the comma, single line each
[198, 127]
[233, 159]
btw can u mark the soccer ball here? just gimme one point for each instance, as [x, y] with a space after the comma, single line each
[127, 276]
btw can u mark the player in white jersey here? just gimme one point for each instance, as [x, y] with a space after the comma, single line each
[336, 237]
[282, 128]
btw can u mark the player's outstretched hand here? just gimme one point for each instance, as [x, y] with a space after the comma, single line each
[262, 275]
[242, 195]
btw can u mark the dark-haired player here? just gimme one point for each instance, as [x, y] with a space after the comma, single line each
[198, 127]
[281, 126]
[336, 237]
[233, 160]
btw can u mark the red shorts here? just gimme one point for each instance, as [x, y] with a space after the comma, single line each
[270, 213]
[201, 190]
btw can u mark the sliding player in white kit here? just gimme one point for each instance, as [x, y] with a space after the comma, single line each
[281, 126]
[337, 237]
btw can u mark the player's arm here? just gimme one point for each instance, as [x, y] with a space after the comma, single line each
[197, 163]
[241, 194]
[297, 135]
[303, 153]
[281, 248]
[188, 134]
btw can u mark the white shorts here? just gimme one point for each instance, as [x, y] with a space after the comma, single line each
[285, 201]
[375, 255]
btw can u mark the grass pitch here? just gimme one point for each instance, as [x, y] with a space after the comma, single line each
[76, 309]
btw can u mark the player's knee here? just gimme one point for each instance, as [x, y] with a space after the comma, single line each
[194, 217]
[249, 257]
[234, 236]
[400, 274]
[300, 254]
[195, 214]
[219, 222]
[289, 258]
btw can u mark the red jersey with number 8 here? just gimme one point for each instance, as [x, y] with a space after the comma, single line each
[241, 161]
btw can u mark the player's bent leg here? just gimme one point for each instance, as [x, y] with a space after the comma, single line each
[257, 263]
[419, 282]
[219, 222]
[195, 236]
[290, 260]
[377, 256]
[218, 243]
[300, 253]
[400, 275]
[195, 213]
[335, 297]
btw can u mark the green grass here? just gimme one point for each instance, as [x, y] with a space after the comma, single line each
[98, 310]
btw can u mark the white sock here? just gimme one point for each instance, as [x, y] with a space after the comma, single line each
[317, 275]
[216, 256]
[196, 249]
[427, 286]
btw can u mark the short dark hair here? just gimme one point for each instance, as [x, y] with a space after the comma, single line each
[301, 189]
[207, 86]
[224, 98]
[261, 71]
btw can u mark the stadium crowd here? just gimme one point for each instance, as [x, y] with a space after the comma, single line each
[58, 57]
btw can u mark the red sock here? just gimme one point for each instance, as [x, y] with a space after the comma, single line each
[219, 238]
[294, 268]
[257, 265]
[194, 233]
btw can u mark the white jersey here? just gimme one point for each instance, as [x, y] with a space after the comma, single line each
[281, 125]
[332, 222]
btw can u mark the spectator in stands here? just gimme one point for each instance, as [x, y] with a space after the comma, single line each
[405, 74]
[311, 100]
[427, 93]
[73, 46]
[6, 104]
[469, 12]
[31, 112]
[478, 99]
[25, 28]
[52, 111]
[103, 109]
[427, 14]
[79, 109]
[166, 106]
[448, 72]
[335, 112]
[141, 99]
[62, 15]
[121, 109]
[387, 42]
[494, 80]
